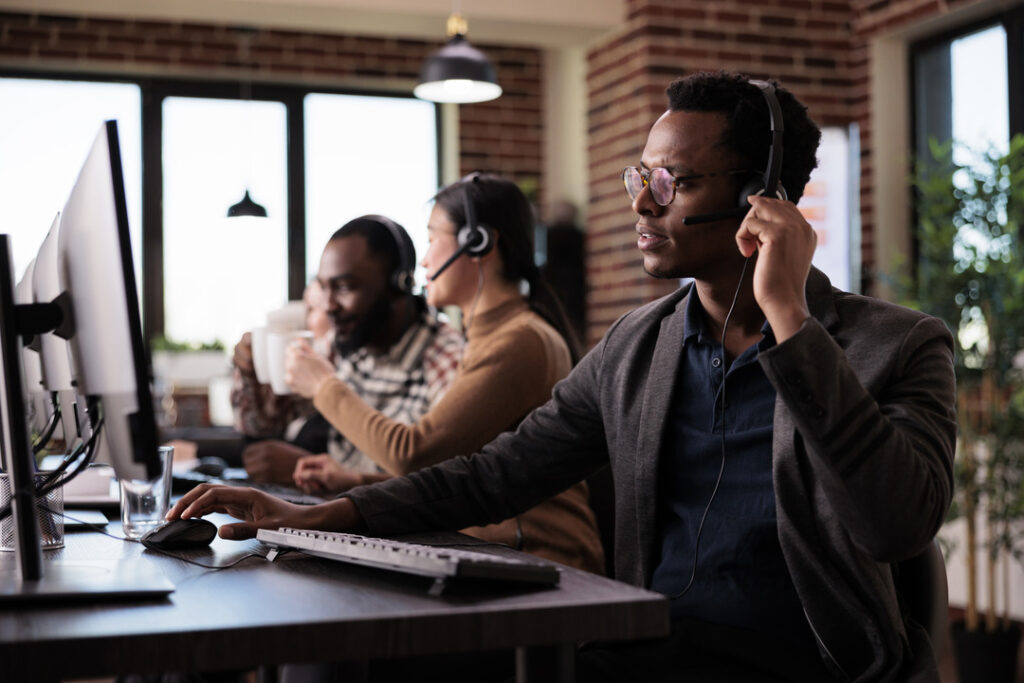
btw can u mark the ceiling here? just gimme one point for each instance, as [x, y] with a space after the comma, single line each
[542, 23]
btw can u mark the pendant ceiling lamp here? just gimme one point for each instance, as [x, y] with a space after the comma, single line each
[246, 207]
[458, 72]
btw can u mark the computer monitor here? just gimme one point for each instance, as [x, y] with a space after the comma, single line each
[110, 361]
[57, 362]
[37, 401]
[53, 350]
[99, 316]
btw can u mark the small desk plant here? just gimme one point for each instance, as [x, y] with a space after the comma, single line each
[970, 272]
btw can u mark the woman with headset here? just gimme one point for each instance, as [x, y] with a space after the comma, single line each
[518, 347]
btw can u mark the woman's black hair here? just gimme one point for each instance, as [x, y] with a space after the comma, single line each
[501, 206]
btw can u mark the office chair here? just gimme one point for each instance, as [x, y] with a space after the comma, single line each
[924, 595]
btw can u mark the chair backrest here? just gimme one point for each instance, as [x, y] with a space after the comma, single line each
[924, 593]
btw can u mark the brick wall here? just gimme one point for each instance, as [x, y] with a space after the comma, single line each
[819, 49]
[502, 136]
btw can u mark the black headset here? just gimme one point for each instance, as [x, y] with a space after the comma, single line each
[473, 239]
[768, 184]
[402, 276]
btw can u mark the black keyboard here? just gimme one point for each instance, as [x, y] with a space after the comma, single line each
[441, 563]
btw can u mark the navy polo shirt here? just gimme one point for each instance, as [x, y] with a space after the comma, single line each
[741, 577]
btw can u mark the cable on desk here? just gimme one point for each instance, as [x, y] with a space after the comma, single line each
[52, 480]
[103, 531]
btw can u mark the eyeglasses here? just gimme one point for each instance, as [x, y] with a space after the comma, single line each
[662, 183]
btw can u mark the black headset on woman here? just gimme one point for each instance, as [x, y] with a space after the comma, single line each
[473, 239]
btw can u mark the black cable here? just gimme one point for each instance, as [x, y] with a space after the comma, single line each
[53, 480]
[96, 527]
[50, 427]
[70, 458]
[90, 449]
[721, 468]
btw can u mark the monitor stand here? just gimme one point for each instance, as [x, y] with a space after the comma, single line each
[89, 580]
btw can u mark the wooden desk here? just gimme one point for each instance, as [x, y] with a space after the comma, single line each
[302, 609]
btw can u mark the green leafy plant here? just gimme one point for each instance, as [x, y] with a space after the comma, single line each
[163, 343]
[970, 273]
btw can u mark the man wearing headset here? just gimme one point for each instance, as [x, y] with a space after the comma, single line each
[765, 484]
[398, 356]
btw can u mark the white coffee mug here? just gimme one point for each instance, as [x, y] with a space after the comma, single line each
[259, 354]
[291, 316]
[277, 342]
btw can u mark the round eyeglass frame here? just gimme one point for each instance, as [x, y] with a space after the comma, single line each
[662, 182]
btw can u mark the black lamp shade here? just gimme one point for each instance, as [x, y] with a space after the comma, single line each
[458, 72]
[247, 207]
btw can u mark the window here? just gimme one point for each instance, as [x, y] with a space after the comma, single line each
[202, 147]
[829, 204]
[221, 275]
[368, 155]
[46, 129]
[962, 92]
[968, 89]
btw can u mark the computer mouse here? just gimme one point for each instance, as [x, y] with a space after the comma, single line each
[211, 466]
[181, 534]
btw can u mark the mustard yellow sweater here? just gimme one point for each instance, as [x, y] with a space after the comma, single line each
[512, 361]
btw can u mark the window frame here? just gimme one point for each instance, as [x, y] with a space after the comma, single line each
[1012, 21]
[153, 92]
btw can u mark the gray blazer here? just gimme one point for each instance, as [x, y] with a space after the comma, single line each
[863, 447]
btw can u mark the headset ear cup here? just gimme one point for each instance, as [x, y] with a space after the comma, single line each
[478, 237]
[753, 188]
[402, 280]
[756, 187]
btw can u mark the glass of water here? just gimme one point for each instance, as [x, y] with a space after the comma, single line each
[144, 502]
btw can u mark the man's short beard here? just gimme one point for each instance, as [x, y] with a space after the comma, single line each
[375, 323]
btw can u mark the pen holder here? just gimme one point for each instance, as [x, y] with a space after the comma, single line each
[49, 513]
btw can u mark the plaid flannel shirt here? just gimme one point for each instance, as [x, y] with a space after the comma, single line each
[402, 384]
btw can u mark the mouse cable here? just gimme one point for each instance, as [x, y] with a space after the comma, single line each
[721, 467]
[96, 527]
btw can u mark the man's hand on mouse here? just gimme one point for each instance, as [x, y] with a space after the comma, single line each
[261, 510]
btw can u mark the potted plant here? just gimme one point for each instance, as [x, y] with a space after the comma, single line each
[970, 272]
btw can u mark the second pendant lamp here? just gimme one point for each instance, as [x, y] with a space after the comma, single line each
[246, 207]
[458, 72]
